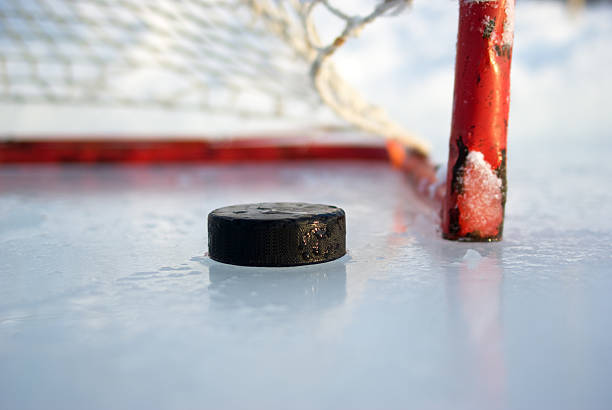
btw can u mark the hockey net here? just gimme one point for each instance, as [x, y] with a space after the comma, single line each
[253, 59]
[262, 59]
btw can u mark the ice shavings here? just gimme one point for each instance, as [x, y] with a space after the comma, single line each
[472, 258]
[480, 199]
[508, 34]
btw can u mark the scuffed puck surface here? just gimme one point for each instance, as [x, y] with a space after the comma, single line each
[276, 234]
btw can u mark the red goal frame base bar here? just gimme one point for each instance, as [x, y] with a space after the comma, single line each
[91, 150]
[413, 163]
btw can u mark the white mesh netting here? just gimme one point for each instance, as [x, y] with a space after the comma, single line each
[249, 58]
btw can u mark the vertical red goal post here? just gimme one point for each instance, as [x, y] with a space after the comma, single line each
[473, 207]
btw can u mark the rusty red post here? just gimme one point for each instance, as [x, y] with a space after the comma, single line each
[473, 209]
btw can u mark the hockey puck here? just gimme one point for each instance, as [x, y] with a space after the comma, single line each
[276, 234]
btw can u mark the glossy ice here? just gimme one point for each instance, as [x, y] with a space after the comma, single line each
[107, 299]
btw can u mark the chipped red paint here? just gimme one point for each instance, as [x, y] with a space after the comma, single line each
[480, 112]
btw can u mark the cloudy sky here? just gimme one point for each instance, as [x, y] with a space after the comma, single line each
[561, 83]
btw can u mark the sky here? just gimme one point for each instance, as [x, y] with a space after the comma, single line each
[560, 72]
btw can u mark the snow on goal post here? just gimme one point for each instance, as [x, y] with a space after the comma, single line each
[262, 60]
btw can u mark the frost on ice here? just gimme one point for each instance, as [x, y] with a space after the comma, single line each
[480, 201]
[472, 258]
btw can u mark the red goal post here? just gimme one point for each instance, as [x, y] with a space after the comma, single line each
[475, 199]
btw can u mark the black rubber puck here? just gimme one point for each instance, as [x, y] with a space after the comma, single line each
[276, 234]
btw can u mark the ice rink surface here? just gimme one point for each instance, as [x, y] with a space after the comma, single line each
[107, 299]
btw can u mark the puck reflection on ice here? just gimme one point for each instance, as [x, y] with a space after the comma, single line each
[302, 288]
